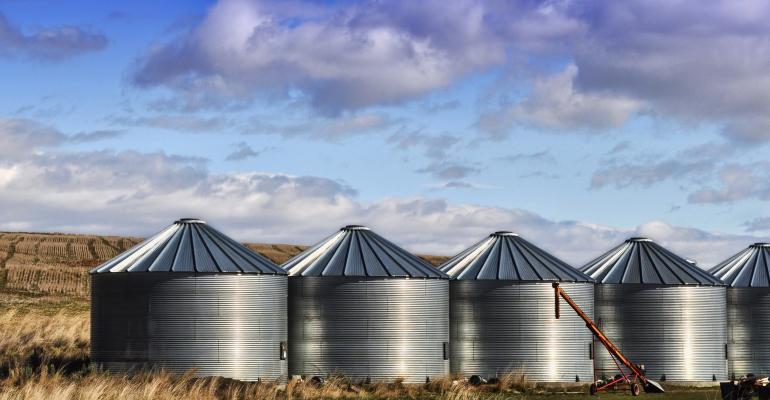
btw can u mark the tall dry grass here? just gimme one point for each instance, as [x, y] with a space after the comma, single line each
[31, 342]
[94, 385]
[160, 386]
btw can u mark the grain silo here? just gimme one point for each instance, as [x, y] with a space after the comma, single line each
[748, 310]
[662, 311]
[502, 313]
[362, 307]
[190, 298]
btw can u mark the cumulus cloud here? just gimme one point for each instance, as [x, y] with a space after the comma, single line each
[622, 58]
[138, 193]
[51, 43]
[345, 57]
[555, 104]
[680, 63]
[22, 137]
[737, 182]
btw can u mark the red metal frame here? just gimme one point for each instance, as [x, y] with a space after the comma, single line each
[630, 378]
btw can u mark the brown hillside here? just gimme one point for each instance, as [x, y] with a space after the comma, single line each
[59, 263]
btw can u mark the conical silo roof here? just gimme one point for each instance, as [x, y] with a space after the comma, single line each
[507, 256]
[749, 268]
[640, 260]
[190, 245]
[356, 250]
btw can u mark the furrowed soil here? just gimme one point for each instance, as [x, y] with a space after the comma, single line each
[45, 328]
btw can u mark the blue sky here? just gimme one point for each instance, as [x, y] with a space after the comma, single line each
[576, 123]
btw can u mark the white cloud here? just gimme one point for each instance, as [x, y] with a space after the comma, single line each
[737, 182]
[348, 56]
[51, 43]
[623, 57]
[138, 193]
[679, 58]
[555, 104]
[21, 137]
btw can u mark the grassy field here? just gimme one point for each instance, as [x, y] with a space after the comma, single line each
[44, 339]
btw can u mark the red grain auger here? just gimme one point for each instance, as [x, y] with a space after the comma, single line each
[635, 373]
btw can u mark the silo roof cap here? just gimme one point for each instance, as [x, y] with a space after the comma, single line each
[642, 261]
[356, 250]
[354, 228]
[748, 268]
[507, 256]
[504, 233]
[189, 221]
[190, 245]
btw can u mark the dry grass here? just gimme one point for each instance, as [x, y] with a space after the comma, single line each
[30, 342]
[46, 385]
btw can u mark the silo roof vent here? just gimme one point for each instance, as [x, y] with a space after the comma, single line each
[189, 221]
[504, 233]
[354, 228]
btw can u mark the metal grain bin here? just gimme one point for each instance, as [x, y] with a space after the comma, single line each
[190, 298]
[363, 308]
[502, 313]
[661, 311]
[748, 310]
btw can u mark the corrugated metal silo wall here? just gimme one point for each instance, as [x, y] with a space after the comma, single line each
[499, 327]
[748, 331]
[219, 324]
[675, 331]
[368, 328]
